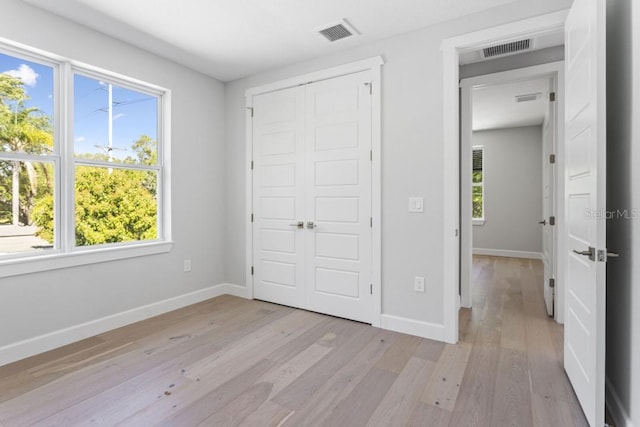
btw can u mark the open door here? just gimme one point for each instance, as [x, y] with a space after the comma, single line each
[585, 179]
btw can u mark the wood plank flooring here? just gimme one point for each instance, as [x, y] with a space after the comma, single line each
[234, 362]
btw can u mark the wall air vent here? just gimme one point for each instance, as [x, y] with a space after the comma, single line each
[507, 48]
[337, 31]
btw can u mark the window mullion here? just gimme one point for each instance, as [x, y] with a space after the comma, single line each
[67, 217]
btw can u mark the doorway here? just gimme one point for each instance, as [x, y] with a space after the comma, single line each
[517, 114]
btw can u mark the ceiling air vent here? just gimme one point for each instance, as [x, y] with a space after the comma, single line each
[507, 48]
[338, 31]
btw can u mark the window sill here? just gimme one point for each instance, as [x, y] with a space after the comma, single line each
[477, 221]
[57, 260]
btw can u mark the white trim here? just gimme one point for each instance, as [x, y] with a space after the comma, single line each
[476, 221]
[42, 343]
[616, 408]
[57, 260]
[450, 57]
[428, 330]
[327, 73]
[507, 253]
[373, 65]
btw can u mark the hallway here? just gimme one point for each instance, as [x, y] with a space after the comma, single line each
[514, 374]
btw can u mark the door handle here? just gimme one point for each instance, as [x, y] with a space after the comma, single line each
[612, 255]
[543, 222]
[311, 225]
[591, 253]
[299, 224]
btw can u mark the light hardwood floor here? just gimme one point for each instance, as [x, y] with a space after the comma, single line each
[229, 361]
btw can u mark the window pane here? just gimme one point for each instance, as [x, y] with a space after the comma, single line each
[26, 106]
[26, 206]
[115, 205]
[124, 130]
[477, 207]
[477, 177]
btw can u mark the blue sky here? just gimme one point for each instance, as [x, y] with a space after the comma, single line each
[134, 113]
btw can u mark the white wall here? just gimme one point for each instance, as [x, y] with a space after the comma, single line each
[513, 190]
[35, 304]
[623, 192]
[412, 156]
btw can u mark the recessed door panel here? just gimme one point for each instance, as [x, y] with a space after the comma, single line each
[337, 172]
[338, 246]
[337, 282]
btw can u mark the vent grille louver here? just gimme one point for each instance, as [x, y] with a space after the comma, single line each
[506, 48]
[336, 32]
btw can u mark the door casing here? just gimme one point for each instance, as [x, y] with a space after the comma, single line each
[451, 180]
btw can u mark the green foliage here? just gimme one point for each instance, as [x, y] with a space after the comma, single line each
[477, 205]
[113, 207]
[24, 130]
[111, 204]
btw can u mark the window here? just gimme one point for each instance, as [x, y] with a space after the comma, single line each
[477, 184]
[81, 170]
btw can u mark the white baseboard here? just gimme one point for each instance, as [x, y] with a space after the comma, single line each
[42, 343]
[507, 253]
[619, 414]
[413, 327]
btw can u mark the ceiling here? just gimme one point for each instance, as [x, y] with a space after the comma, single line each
[495, 106]
[230, 39]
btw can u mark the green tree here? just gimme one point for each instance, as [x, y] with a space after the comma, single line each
[111, 207]
[25, 130]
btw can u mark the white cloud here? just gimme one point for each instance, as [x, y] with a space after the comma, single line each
[117, 116]
[24, 73]
[81, 139]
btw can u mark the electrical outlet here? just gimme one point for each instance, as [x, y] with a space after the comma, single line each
[418, 284]
[187, 265]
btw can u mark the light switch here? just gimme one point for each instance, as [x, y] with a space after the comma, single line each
[416, 204]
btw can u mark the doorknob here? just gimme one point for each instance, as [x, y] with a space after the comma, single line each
[543, 222]
[311, 225]
[299, 224]
[591, 253]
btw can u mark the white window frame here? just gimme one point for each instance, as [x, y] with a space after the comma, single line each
[64, 253]
[478, 221]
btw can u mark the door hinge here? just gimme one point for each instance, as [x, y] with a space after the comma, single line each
[552, 283]
[552, 220]
[252, 270]
[371, 221]
[371, 289]
[370, 87]
[251, 164]
[371, 155]
[552, 158]
[251, 110]
[552, 96]
[251, 217]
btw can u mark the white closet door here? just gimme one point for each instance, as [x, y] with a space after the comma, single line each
[338, 196]
[278, 196]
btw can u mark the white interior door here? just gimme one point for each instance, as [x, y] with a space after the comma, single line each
[548, 208]
[338, 199]
[585, 181]
[278, 196]
[312, 196]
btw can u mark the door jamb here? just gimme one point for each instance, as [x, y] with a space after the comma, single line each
[451, 48]
[374, 65]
